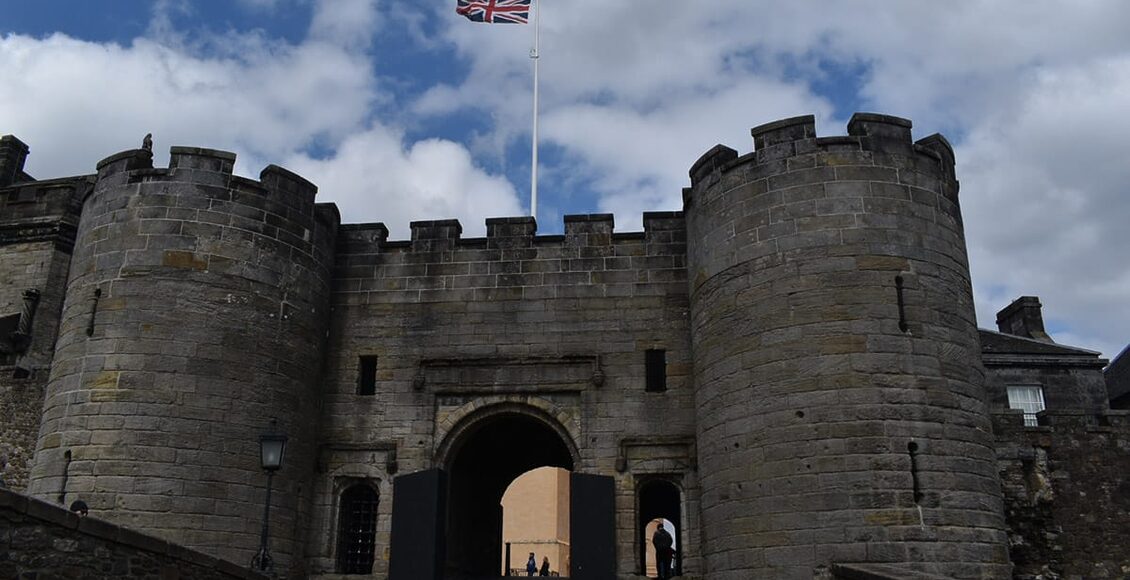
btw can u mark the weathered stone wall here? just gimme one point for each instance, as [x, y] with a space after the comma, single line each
[195, 312]
[40, 540]
[1067, 497]
[1074, 383]
[37, 224]
[21, 406]
[840, 409]
[553, 324]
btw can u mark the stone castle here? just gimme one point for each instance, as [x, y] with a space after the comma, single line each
[789, 370]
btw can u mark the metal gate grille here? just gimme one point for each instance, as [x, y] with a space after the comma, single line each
[357, 530]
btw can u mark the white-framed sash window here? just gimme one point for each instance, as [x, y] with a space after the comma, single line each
[1029, 399]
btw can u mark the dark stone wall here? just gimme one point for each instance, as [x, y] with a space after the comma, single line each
[40, 540]
[553, 326]
[195, 312]
[37, 225]
[831, 427]
[21, 407]
[1070, 385]
[1067, 496]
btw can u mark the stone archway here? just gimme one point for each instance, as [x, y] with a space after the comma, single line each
[449, 429]
[482, 455]
[659, 499]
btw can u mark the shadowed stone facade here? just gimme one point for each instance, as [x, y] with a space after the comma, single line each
[789, 369]
[41, 540]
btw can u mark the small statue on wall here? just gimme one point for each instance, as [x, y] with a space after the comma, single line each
[147, 142]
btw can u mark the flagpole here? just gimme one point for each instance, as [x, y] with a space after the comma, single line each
[534, 164]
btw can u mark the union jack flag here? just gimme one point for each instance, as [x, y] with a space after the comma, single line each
[495, 11]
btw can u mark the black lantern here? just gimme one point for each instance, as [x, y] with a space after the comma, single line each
[272, 447]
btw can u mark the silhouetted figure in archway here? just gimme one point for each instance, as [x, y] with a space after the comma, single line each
[663, 543]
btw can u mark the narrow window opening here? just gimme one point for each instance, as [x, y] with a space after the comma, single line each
[357, 530]
[902, 305]
[367, 376]
[66, 474]
[1028, 399]
[93, 311]
[912, 448]
[655, 361]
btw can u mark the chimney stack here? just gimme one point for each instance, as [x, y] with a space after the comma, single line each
[13, 152]
[1023, 318]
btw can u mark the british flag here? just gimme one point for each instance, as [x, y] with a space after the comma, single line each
[495, 11]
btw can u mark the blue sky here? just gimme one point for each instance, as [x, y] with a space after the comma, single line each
[402, 110]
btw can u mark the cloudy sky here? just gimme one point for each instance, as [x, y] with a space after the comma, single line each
[403, 110]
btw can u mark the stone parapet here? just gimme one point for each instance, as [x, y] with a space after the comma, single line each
[40, 211]
[589, 260]
[42, 540]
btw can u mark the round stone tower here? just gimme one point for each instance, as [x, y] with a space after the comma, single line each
[195, 313]
[838, 377]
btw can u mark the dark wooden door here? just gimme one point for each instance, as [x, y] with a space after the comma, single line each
[592, 527]
[419, 510]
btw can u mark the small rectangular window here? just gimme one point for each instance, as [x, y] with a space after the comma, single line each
[655, 361]
[367, 375]
[1028, 399]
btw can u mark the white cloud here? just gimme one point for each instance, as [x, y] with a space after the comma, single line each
[75, 102]
[260, 4]
[84, 100]
[346, 23]
[1045, 201]
[375, 177]
[641, 159]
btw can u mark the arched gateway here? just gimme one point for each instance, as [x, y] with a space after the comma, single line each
[447, 521]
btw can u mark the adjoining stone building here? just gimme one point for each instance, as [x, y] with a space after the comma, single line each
[788, 369]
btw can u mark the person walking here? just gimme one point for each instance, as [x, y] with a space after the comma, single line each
[531, 565]
[544, 567]
[663, 543]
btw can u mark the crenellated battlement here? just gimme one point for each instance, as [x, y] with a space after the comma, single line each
[196, 215]
[211, 167]
[589, 260]
[581, 230]
[791, 145]
[875, 163]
